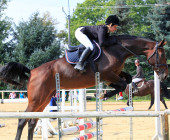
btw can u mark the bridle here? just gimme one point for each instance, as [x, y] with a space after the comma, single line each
[157, 63]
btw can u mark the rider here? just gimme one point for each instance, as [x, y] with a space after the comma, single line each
[139, 75]
[99, 33]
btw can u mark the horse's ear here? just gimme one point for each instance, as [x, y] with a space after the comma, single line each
[162, 43]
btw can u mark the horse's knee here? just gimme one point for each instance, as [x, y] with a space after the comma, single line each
[123, 86]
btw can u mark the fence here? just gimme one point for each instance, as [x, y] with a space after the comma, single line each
[93, 114]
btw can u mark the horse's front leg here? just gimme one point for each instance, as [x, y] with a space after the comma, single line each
[127, 76]
[116, 82]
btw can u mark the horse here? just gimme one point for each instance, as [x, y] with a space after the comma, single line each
[41, 82]
[146, 88]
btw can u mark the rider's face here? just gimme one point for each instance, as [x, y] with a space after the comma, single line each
[113, 28]
[137, 64]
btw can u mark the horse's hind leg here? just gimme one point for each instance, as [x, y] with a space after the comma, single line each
[21, 124]
[163, 101]
[32, 122]
[31, 125]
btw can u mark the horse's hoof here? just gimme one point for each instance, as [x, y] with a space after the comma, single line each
[50, 135]
[102, 96]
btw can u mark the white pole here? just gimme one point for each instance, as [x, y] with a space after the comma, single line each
[75, 99]
[131, 104]
[63, 99]
[82, 102]
[158, 135]
[71, 99]
[44, 129]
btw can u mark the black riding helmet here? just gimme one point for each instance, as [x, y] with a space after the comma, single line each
[112, 19]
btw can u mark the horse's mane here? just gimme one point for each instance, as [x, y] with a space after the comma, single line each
[129, 37]
[122, 37]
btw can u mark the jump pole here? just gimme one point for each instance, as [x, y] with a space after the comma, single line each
[158, 135]
[57, 77]
[131, 104]
[82, 106]
[73, 129]
[87, 136]
[99, 87]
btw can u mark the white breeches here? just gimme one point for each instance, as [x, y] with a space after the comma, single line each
[83, 39]
[136, 80]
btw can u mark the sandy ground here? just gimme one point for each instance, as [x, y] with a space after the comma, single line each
[113, 128]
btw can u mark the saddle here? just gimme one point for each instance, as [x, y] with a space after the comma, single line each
[138, 85]
[73, 53]
[142, 81]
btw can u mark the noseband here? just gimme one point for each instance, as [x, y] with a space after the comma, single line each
[157, 63]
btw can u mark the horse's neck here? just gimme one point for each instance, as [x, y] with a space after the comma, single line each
[137, 47]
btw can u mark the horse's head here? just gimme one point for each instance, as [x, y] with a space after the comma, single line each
[157, 59]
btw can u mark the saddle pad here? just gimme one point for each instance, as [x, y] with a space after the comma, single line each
[73, 57]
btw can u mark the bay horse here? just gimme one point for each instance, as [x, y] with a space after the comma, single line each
[146, 88]
[41, 82]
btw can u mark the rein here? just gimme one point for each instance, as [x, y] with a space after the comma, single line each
[157, 65]
[146, 62]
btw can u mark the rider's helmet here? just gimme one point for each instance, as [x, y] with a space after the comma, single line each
[137, 61]
[112, 19]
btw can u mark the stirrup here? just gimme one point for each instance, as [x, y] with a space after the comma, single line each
[78, 66]
[135, 90]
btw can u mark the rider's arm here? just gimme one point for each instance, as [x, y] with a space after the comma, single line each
[103, 41]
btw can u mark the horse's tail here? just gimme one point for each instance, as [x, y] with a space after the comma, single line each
[14, 73]
[165, 90]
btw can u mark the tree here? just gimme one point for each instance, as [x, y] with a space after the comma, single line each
[159, 18]
[5, 27]
[123, 13]
[36, 41]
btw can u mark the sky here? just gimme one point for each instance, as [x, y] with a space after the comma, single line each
[20, 10]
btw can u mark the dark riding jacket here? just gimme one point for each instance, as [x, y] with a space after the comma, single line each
[99, 33]
[139, 72]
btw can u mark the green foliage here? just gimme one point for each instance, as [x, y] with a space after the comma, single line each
[159, 18]
[5, 26]
[39, 56]
[35, 41]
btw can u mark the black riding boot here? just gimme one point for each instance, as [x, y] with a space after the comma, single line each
[134, 87]
[84, 55]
